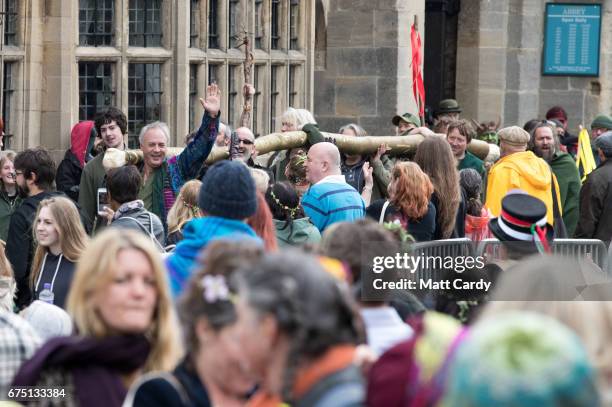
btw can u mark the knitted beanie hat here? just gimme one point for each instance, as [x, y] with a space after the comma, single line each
[228, 191]
[521, 359]
[602, 121]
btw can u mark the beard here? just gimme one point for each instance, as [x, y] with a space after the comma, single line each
[546, 155]
[23, 191]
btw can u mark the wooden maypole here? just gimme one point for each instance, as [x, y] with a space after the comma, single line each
[247, 65]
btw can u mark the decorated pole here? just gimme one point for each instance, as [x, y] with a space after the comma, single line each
[245, 118]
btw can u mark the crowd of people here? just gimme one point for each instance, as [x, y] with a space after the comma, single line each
[176, 282]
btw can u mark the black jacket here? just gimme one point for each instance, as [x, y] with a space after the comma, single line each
[181, 388]
[61, 282]
[421, 230]
[596, 205]
[68, 176]
[20, 243]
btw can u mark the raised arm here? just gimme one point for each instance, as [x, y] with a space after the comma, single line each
[193, 156]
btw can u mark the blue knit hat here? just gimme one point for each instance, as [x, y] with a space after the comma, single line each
[521, 359]
[228, 191]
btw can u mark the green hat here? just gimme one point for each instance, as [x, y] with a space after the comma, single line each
[448, 106]
[602, 122]
[408, 118]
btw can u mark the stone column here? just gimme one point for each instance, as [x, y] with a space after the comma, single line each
[481, 58]
[180, 76]
[32, 71]
[523, 61]
[60, 90]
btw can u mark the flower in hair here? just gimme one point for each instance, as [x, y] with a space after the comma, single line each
[292, 211]
[215, 288]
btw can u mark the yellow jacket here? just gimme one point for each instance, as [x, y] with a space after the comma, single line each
[524, 171]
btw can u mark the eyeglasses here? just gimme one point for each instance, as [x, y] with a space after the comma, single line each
[245, 142]
[18, 173]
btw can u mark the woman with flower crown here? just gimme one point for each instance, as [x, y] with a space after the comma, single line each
[293, 228]
[213, 372]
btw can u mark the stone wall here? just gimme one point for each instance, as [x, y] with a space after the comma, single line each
[499, 57]
[364, 75]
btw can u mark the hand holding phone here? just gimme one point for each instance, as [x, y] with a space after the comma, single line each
[102, 201]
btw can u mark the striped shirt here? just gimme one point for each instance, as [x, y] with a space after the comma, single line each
[332, 200]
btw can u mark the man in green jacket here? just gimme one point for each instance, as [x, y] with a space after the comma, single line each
[111, 125]
[459, 135]
[543, 144]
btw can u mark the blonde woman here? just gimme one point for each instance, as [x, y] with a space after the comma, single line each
[122, 310]
[60, 239]
[184, 209]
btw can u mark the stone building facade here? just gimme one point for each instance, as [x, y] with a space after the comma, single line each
[487, 54]
[62, 61]
[499, 53]
[345, 60]
[363, 71]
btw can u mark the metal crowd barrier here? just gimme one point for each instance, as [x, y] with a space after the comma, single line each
[490, 248]
[592, 249]
[440, 248]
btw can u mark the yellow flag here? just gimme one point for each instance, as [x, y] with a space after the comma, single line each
[584, 159]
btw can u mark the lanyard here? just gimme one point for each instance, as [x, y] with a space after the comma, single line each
[42, 268]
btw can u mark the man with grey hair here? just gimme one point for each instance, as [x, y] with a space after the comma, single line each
[329, 199]
[224, 136]
[596, 196]
[163, 178]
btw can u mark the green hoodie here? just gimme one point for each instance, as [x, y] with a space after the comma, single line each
[301, 231]
[564, 168]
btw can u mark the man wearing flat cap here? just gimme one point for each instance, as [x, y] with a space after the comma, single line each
[519, 169]
[596, 196]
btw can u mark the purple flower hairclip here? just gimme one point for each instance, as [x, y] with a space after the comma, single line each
[215, 288]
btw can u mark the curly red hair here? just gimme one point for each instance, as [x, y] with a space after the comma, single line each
[412, 190]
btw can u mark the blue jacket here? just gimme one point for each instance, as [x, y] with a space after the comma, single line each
[331, 201]
[197, 234]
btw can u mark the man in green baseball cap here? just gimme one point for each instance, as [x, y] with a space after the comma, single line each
[448, 108]
[405, 123]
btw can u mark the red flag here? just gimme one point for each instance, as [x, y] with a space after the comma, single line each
[418, 89]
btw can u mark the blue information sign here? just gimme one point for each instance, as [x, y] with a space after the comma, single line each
[571, 39]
